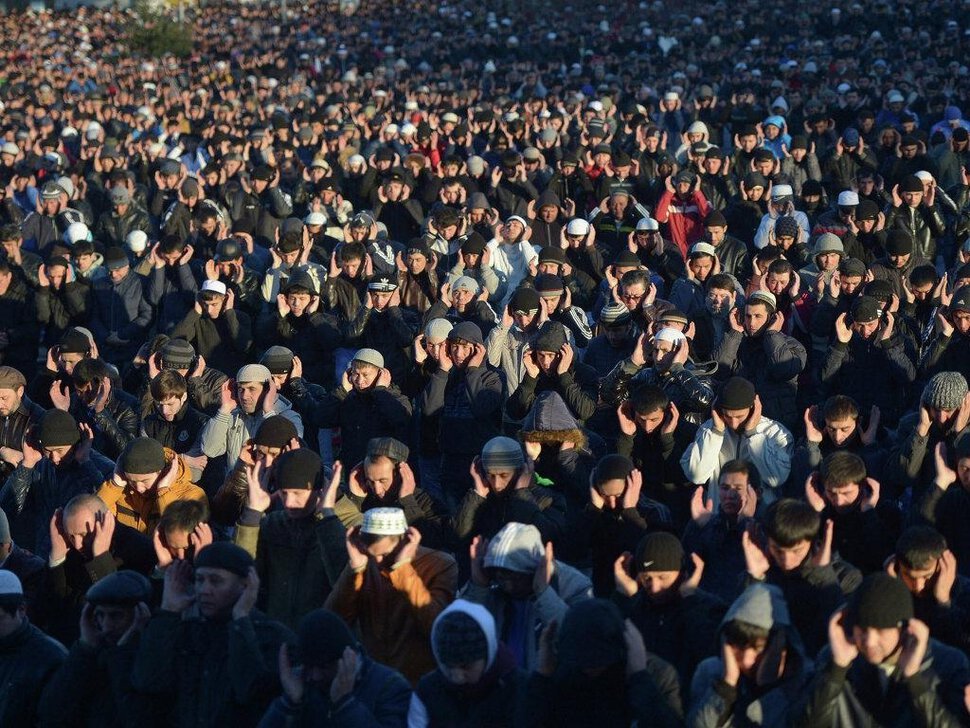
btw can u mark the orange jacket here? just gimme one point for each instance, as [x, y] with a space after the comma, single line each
[142, 511]
[394, 609]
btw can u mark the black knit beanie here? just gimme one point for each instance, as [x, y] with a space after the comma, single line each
[550, 337]
[224, 555]
[58, 428]
[275, 431]
[659, 551]
[297, 470]
[612, 467]
[142, 455]
[882, 602]
[737, 394]
[323, 637]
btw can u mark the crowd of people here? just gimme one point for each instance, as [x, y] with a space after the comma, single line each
[487, 364]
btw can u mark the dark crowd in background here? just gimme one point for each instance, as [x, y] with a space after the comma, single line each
[487, 364]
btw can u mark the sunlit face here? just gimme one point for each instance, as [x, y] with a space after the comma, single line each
[716, 233]
[460, 351]
[632, 294]
[59, 454]
[848, 285]
[298, 302]
[648, 422]
[524, 319]
[755, 318]
[363, 376]
[778, 282]
[719, 300]
[169, 407]
[141, 483]
[84, 261]
[734, 419]
[350, 268]
[900, 261]
[379, 475]
[288, 257]
[171, 259]
[912, 199]
[612, 493]
[839, 431]
[79, 526]
[178, 543]
[876, 645]
[701, 266]
[791, 557]
[119, 274]
[499, 480]
[212, 305]
[217, 591]
[249, 394]
[416, 263]
[828, 261]
[380, 299]
[960, 321]
[462, 298]
[298, 502]
[749, 657]
[10, 400]
[842, 496]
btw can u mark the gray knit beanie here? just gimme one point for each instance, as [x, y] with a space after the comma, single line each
[501, 453]
[945, 391]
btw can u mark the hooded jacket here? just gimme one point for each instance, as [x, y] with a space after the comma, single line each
[518, 547]
[141, 511]
[718, 705]
[492, 701]
[925, 224]
[225, 434]
[121, 308]
[688, 386]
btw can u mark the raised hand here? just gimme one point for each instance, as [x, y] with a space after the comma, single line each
[945, 475]
[755, 561]
[624, 415]
[844, 650]
[823, 554]
[247, 600]
[692, 584]
[842, 330]
[544, 572]
[915, 638]
[178, 594]
[701, 508]
[814, 498]
[104, 529]
[257, 497]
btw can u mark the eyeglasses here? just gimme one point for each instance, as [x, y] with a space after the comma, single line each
[632, 296]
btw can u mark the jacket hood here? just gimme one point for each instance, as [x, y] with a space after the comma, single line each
[481, 616]
[699, 127]
[549, 413]
[548, 198]
[760, 605]
[517, 547]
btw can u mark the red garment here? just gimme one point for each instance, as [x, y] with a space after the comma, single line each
[684, 218]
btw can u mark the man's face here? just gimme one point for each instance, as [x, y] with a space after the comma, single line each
[84, 261]
[113, 621]
[58, 454]
[658, 585]
[178, 543]
[416, 263]
[961, 321]
[549, 267]
[842, 496]
[212, 305]
[909, 152]
[732, 491]
[217, 591]
[923, 292]
[10, 400]
[719, 300]
[778, 282]
[56, 275]
[171, 259]
[791, 557]
[839, 431]
[169, 407]
[941, 417]
[632, 294]
[865, 329]
[249, 394]
[734, 419]
[363, 376]
[716, 234]
[918, 581]
[290, 257]
[748, 142]
[52, 207]
[499, 480]
[118, 274]
[466, 674]
[547, 360]
[618, 204]
[383, 548]
[460, 351]
[616, 336]
[350, 267]
[612, 493]
[712, 165]
[298, 302]
[548, 213]
[876, 645]
[849, 284]
[749, 656]
[516, 584]
[380, 299]
[913, 198]
[755, 318]
[298, 502]
[79, 526]
[648, 422]
[524, 319]
[701, 266]
[141, 483]
[379, 475]
[828, 261]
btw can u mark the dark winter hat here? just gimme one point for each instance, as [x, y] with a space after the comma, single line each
[911, 183]
[715, 219]
[263, 172]
[458, 639]
[659, 551]
[852, 267]
[879, 289]
[301, 282]
[115, 258]
[141, 456]
[525, 300]
[865, 309]
[466, 331]
[737, 394]
[866, 210]
[177, 354]
[297, 470]
[228, 250]
[323, 637]
[755, 179]
[474, 244]
[420, 246]
[614, 315]
[591, 636]
[278, 359]
[225, 555]
[550, 337]
[945, 391]
[551, 254]
[899, 242]
[612, 467]
[799, 141]
[961, 300]
[550, 415]
[387, 447]
[786, 226]
[124, 588]
[549, 285]
[275, 431]
[850, 137]
[881, 602]
[58, 428]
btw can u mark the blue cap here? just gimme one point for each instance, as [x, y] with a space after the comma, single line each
[952, 114]
[850, 137]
